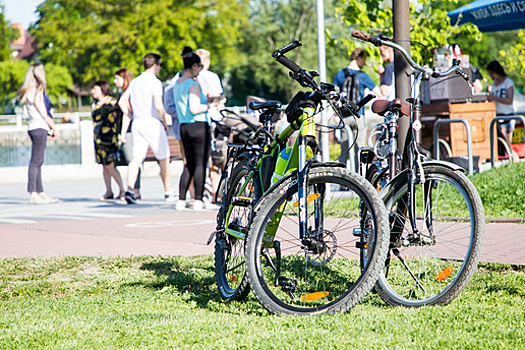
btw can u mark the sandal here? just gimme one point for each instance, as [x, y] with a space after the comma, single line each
[106, 197]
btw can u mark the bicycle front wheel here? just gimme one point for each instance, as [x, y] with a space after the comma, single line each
[432, 264]
[320, 272]
[230, 268]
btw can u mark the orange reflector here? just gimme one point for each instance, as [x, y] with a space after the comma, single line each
[310, 198]
[314, 296]
[444, 274]
[250, 187]
[233, 278]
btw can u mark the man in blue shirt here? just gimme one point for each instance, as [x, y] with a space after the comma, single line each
[386, 73]
[357, 62]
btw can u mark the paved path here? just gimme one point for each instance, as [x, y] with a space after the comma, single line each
[82, 225]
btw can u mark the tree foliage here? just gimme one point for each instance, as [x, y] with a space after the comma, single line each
[508, 47]
[6, 35]
[429, 24]
[272, 25]
[94, 38]
[12, 74]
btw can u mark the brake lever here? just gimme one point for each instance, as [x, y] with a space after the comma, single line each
[464, 76]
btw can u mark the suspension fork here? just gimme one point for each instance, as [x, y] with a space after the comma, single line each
[307, 129]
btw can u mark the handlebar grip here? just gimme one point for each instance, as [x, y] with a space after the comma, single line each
[374, 39]
[291, 65]
[365, 100]
[287, 48]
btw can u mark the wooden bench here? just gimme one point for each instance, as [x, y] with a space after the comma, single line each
[175, 153]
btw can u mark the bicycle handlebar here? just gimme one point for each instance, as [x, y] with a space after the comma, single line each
[379, 40]
[287, 48]
[374, 39]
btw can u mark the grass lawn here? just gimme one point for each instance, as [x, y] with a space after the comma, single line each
[172, 303]
[502, 191]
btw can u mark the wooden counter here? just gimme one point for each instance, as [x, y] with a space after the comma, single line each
[479, 116]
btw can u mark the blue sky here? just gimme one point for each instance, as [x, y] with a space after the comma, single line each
[21, 11]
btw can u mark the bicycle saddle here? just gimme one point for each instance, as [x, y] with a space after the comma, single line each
[382, 106]
[255, 105]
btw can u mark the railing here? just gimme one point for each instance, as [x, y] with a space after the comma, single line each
[469, 139]
[508, 118]
[21, 119]
[15, 146]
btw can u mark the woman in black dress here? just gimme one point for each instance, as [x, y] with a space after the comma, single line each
[106, 121]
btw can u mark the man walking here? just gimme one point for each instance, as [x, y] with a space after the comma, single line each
[210, 83]
[211, 87]
[386, 73]
[149, 125]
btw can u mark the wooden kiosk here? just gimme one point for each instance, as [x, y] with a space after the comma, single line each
[479, 115]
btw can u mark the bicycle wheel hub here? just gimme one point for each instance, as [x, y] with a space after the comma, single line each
[320, 247]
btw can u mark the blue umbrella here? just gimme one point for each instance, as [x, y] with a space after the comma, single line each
[491, 15]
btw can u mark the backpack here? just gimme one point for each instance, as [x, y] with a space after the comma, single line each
[351, 86]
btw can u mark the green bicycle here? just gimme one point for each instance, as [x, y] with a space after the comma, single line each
[302, 225]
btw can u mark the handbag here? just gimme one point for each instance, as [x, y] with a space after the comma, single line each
[219, 150]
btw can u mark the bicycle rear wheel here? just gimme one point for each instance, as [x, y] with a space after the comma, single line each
[230, 268]
[322, 272]
[434, 264]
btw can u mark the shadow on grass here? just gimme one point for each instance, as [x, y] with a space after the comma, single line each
[196, 282]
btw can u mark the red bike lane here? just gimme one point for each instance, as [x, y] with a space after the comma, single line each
[178, 233]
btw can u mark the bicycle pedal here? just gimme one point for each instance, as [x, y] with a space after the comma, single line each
[242, 201]
[356, 232]
[360, 245]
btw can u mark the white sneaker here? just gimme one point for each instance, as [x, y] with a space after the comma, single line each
[171, 196]
[47, 199]
[198, 205]
[181, 205]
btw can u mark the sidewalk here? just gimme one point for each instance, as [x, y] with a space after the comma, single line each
[82, 225]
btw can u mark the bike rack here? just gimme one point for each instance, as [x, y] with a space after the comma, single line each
[507, 117]
[469, 139]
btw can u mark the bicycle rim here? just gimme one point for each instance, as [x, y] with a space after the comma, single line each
[321, 273]
[432, 266]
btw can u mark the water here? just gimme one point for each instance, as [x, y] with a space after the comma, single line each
[15, 149]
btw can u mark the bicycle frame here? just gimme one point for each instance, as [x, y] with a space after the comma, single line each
[297, 160]
[413, 159]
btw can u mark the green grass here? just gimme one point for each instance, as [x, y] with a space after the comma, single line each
[502, 191]
[172, 303]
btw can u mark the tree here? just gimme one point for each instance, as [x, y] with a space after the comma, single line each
[12, 73]
[94, 38]
[272, 25]
[7, 34]
[429, 24]
[508, 47]
[58, 82]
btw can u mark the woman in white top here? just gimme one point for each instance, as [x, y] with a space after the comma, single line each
[502, 94]
[40, 124]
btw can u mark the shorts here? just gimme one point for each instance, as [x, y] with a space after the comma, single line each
[149, 133]
[508, 124]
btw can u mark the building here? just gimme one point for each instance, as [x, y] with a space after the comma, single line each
[22, 48]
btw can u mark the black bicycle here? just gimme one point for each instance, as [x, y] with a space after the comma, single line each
[315, 220]
[437, 221]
